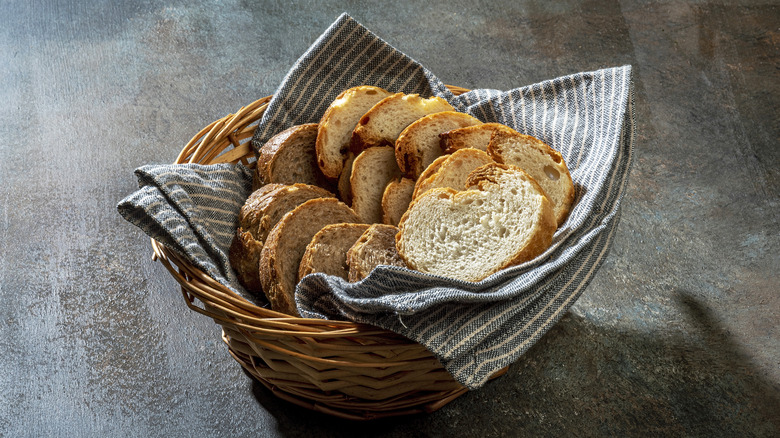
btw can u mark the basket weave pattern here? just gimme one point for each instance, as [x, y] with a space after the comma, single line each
[340, 368]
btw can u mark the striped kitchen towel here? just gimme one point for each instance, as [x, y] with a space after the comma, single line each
[475, 329]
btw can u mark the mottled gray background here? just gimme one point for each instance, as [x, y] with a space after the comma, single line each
[677, 334]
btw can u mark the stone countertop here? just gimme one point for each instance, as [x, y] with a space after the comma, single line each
[676, 335]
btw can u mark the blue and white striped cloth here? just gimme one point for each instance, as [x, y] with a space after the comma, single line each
[475, 329]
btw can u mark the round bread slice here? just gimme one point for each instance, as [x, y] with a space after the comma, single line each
[383, 123]
[338, 122]
[371, 171]
[453, 171]
[542, 162]
[281, 257]
[396, 199]
[477, 137]
[261, 211]
[502, 220]
[290, 157]
[375, 247]
[417, 145]
[327, 251]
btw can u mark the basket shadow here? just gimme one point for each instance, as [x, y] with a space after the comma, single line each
[597, 381]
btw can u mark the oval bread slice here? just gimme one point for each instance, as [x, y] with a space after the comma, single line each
[504, 219]
[396, 199]
[418, 144]
[327, 251]
[381, 125]
[340, 119]
[371, 171]
[281, 257]
[542, 162]
[453, 171]
[375, 247]
[290, 157]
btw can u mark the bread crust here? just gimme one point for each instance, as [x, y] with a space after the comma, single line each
[477, 137]
[271, 166]
[376, 246]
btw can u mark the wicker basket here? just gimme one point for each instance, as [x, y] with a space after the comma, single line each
[340, 368]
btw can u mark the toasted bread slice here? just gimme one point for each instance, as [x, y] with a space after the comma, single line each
[261, 211]
[371, 171]
[418, 144]
[453, 171]
[477, 137]
[340, 119]
[281, 257]
[381, 125]
[327, 251]
[542, 162]
[375, 247]
[396, 199]
[289, 157]
[504, 219]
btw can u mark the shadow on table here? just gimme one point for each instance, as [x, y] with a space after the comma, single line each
[593, 381]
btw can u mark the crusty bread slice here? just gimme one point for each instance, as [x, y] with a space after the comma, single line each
[285, 245]
[396, 199]
[417, 145]
[453, 171]
[371, 171]
[327, 251]
[502, 220]
[542, 162]
[261, 211]
[433, 167]
[477, 137]
[338, 122]
[344, 189]
[381, 125]
[289, 157]
[375, 247]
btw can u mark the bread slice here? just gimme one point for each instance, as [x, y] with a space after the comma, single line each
[371, 171]
[340, 119]
[502, 220]
[381, 125]
[477, 137]
[327, 251]
[261, 211]
[417, 145]
[344, 189]
[453, 171]
[375, 247]
[396, 199]
[281, 257]
[289, 157]
[542, 162]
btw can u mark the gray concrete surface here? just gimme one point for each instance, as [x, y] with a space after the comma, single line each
[676, 336]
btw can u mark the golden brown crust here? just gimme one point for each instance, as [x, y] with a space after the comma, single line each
[477, 137]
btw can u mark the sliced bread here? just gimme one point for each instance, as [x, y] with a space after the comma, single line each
[344, 189]
[477, 137]
[371, 171]
[340, 119]
[327, 251]
[375, 247]
[453, 171]
[261, 211]
[502, 220]
[542, 162]
[417, 145]
[290, 157]
[396, 199]
[381, 125]
[281, 257]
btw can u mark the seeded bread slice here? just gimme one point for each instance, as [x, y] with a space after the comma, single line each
[418, 144]
[371, 171]
[542, 162]
[289, 157]
[477, 137]
[281, 257]
[453, 171]
[381, 125]
[504, 219]
[261, 211]
[396, 199]
[375, 247]
[340, 119]
[327, 251]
